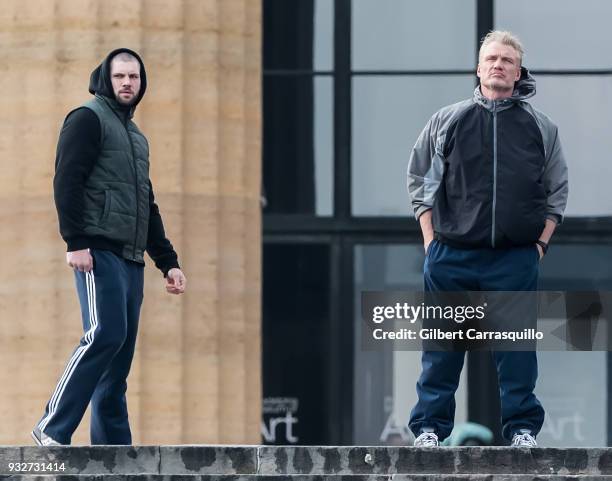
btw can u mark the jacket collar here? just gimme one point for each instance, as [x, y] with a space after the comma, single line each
[123, 112]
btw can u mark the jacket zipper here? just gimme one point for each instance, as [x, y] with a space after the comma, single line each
[136, 188]
[494, 172]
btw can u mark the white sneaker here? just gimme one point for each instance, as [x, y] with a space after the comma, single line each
[523, 439]
[42, 439]
[426, 440]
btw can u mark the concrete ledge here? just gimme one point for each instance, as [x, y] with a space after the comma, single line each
[84, 459]
[409, 460]
[208, 460]
[276, 462]
[327, 477]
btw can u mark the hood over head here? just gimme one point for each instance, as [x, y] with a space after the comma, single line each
[524, 88]
[100, 79]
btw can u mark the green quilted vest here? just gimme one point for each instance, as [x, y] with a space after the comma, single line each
[117, 191]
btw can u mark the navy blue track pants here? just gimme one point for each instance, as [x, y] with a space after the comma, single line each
[110, 297]
[451, 269]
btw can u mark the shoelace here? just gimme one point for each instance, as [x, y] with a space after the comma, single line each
[523, 440]
[429, 439]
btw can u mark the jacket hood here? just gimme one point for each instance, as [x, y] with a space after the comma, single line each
[524, 88]
[100, 80]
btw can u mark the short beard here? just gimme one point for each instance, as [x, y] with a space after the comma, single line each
[129, 103]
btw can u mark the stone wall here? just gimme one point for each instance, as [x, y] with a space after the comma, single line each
[196, 375]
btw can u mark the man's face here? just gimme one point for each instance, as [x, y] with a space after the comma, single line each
[499, 67]
[125, 77]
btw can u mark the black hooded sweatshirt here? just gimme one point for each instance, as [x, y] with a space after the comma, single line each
[78, 148]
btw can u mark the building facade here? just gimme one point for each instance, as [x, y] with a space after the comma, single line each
[348, 86]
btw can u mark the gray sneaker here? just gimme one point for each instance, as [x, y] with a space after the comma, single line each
[523, 439]
[426, 440]
[42, 439]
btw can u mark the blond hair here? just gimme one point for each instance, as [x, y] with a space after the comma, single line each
[505, 38]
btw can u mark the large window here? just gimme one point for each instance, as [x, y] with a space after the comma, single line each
[297, 104]
[389, 112]
[570, 35]
[566, 46]
[298, 148]
[397, 35]
[296, 311]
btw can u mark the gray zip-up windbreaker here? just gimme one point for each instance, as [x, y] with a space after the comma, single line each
[491, 171]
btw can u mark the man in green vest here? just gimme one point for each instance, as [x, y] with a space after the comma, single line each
[108, 218]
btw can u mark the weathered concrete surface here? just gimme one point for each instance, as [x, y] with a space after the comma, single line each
[85, 460]
[328, 477]
[208, 460]
[309, 462]
[407, 460]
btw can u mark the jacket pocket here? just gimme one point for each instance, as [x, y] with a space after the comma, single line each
[107, 204]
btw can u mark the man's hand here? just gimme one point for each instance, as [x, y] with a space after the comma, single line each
[80, 260]
[426, 228]
[175, 281]
[540, 251]
[549, 229]
[426, 243]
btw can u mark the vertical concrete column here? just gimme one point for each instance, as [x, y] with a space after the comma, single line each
[196, 376]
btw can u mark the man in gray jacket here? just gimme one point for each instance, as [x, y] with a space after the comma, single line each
[488, 185]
